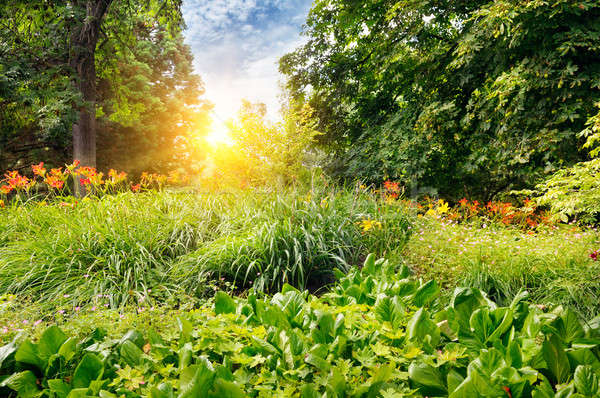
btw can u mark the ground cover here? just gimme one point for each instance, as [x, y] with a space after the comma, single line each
[377, 333]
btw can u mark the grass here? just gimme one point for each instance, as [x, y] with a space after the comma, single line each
[154, 246]
[553, 265]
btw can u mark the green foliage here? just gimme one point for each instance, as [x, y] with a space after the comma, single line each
[552, 264]
[344, 343]
[147, 94]
[152, 246]
[573, 193]
[463, 97]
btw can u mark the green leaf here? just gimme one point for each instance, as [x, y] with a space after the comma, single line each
[68, 348]
[164, 390]
[196, 380]
[420, 326]
[134, 336]
[309, 391]
[6, 351]
[59, 387]
[50, 342]
[28, 353]
[388, 310]
[226, 389]
[224, 304]
[586, 381]
[556, 358]
[131, 354]
[428, 379]
[25, 383]
[425, 293]
[90, 368]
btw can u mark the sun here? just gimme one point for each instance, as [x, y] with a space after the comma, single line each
[219, 135]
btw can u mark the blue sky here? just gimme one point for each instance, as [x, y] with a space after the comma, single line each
[236, 45]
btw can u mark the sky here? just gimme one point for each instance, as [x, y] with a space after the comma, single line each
[236, 45]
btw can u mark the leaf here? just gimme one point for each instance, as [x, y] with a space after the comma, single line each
[6, 351]
[59, 387]
[224, 304]
[27, 353]
[68, 348]
[50, 342]
[164, 390]
[556, 358]
[90, 368]
[196, 380]
[25, 383]
[227, 389]
[586, 381]
[425, 293]
[420, 326]
[369, 265]
[131, 354]
[134, 336]
[428, 379]
[388, 310]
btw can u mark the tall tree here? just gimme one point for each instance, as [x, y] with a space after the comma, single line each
[87, 17]
[66, 66]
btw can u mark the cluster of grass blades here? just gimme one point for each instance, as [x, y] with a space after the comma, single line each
[158, 245]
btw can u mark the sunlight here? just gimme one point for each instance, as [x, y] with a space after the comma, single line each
[219, 135]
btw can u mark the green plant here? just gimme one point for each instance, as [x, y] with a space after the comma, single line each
[378, 333]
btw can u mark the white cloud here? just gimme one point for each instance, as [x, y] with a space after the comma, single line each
[236, 44]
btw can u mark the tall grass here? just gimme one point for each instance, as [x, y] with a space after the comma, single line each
[156, 245]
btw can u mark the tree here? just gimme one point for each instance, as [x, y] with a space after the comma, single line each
[67, 65]
[466, 97]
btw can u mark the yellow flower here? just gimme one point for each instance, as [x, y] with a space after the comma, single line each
[431, 212]
[368, 225]
[442, 207]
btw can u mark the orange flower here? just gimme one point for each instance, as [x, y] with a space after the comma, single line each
[38, 169]
[84, 182]
[54, 182]
[136, 187]
[73, 166]
[463, 202]
[6, 189]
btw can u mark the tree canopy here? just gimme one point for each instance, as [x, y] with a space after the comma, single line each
[458, 97]
[146, 94]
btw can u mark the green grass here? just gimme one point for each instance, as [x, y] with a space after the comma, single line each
[553, 265]
[155, 246]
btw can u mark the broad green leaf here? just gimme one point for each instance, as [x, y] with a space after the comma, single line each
[425, 293]
[226, 389]
[224, 304]
[196, 380]
[25, 383]
[6, 351]
[50, 342]
[59, 387]
[429, 379]
[68, 348]
[89, 368]
[28, 353]
[556, 358]
[131, 354]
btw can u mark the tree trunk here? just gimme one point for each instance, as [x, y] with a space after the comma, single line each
[84, 39]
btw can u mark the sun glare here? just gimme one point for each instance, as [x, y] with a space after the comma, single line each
[219, 135]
